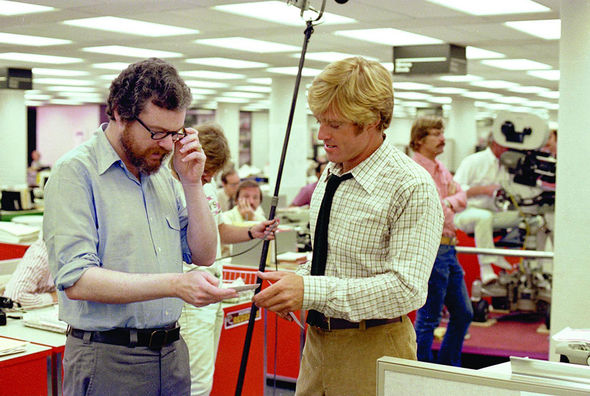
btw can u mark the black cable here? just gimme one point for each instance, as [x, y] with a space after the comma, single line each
[248, 340]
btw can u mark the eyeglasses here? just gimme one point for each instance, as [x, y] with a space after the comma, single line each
[176, 135]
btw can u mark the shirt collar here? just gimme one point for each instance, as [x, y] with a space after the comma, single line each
[105, 154]
[364, 173]
[430, 165]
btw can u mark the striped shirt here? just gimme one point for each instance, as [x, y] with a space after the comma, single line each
[385, 228]
[31, 283]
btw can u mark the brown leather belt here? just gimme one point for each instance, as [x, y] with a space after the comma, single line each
[317, 319]
[151, 338]
[445, 240]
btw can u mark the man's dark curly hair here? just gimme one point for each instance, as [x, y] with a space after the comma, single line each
[152, 80]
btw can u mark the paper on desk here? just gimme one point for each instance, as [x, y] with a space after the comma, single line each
[9, 346]
[46, 319]
[569, 334]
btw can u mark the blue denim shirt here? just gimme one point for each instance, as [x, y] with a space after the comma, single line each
[97, 214]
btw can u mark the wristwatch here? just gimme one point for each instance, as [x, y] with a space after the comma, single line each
[250, 233]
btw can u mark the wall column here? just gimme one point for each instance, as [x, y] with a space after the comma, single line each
[13, 137]
[462, 130]
[569, 305]
[228, 116]
[295, 167]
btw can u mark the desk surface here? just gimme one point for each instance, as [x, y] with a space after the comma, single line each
[16, 329]
[32, 349]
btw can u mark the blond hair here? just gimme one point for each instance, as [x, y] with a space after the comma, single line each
[357, 89]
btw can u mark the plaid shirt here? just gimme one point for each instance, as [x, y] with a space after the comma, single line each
[385, 228]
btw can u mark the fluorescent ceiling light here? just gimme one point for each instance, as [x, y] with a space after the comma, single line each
[479, 53]
[205, 84]
[108, 77]
[495, 7]
[388, 36]
[36, 41]
[460, 78]
[498, 106]
[292, 71]
[37, 97]
[262, 80]
[388, 65]
[36, 58]
[552, 75]
[76, 89]
[202, 91]
[229, 99]
[481, 95]
[246, 44]
[129, 26]
[251, 95]
[111, 65]
[494, 84]
[410, 86]
[214, 75]
[16, 8]
[553, 106]
[329, 56]
[70, 102]
[279, 12]
[227, 62]
[510, 99]
[33, 103]
[528, 89]
[39, 71]
[132, 51]
[416, 104]
[515, 64]
[62, 81]
[447, 90]
[549, 29]
[413, 95]
[253, 88]
[536, 103]
[440, 99]
[550, 94]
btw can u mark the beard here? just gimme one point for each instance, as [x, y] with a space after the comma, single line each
[142, 159]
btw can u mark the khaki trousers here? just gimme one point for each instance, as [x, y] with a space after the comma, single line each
[344, 362]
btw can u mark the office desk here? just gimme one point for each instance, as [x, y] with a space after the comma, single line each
[7, 215]
[25, 373]
[12, 250]
[55, 341]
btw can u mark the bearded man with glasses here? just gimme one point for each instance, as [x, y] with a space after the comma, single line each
[117, 232]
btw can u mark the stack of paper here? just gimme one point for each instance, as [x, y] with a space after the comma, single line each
[292, 257]
[45, 320]
[17, 233]
[9, 346]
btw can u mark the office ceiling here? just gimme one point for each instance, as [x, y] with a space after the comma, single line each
[415, 16]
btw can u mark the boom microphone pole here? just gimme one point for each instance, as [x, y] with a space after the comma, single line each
[274, 201]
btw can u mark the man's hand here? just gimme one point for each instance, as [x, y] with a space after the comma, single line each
[245, 209]
[284, 296]
[199, 288]
[265, 229]
[189, 159]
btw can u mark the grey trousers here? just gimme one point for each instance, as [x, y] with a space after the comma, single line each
[103, 369]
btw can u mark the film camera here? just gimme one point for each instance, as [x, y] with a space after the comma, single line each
[531, 191]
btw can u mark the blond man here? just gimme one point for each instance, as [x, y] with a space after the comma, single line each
[372, 261]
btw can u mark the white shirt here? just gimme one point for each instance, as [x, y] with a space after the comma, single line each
[31, 283]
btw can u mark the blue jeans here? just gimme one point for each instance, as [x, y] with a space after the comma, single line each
[446, 286]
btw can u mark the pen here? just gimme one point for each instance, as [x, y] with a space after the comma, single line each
[291, 314]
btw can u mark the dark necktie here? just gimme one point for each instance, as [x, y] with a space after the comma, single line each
[320, 240]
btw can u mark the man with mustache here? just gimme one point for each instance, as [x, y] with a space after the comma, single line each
[446, 285]
[117, 232]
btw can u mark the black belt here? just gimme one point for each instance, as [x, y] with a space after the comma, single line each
[317, 319]
[151, 338]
